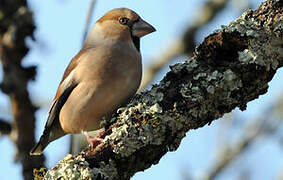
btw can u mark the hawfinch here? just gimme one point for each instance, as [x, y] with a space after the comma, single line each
[105, 74]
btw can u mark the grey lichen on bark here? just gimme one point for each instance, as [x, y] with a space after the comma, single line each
[230, 68]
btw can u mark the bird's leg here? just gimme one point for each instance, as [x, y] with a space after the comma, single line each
[93, 141]
[100, 134]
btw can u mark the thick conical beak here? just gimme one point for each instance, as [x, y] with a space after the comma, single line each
[142, 28]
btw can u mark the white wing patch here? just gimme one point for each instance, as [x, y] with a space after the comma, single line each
[68, 80]
[64, 85]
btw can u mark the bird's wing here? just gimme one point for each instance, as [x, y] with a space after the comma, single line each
[57, 106]
[53, 130]
[67, 85]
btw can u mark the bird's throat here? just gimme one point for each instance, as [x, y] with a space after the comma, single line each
[136, 41]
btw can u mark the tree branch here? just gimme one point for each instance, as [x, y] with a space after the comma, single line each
[16, 24]
[265, 124]
[230, 68]
[5, 128]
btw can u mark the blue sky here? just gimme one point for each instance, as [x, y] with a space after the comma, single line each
[60, 25]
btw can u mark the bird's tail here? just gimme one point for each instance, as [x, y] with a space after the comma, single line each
[40, 146]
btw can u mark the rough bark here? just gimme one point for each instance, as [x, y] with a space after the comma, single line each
[16, 24]
[230, 68]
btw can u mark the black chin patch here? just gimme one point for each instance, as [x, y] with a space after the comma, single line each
[136, 41]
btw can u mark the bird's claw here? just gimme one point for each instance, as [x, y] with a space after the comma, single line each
[93, 141]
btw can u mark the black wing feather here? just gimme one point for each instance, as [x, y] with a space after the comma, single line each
[57, 106]
[50, 133]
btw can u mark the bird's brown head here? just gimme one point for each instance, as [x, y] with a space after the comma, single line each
[121, 24]
[124, 20]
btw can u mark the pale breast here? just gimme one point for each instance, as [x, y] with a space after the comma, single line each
[107, 77]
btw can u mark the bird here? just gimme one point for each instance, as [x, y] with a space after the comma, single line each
[105, 74]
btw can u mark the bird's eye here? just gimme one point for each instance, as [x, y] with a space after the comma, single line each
[123, 20]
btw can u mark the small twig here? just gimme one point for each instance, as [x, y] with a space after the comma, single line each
[228, 154]
[264, 125]
[89, 15]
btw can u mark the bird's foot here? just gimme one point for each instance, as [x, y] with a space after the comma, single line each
[93, 141]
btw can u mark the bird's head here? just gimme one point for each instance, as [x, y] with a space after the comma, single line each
[120, 24]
